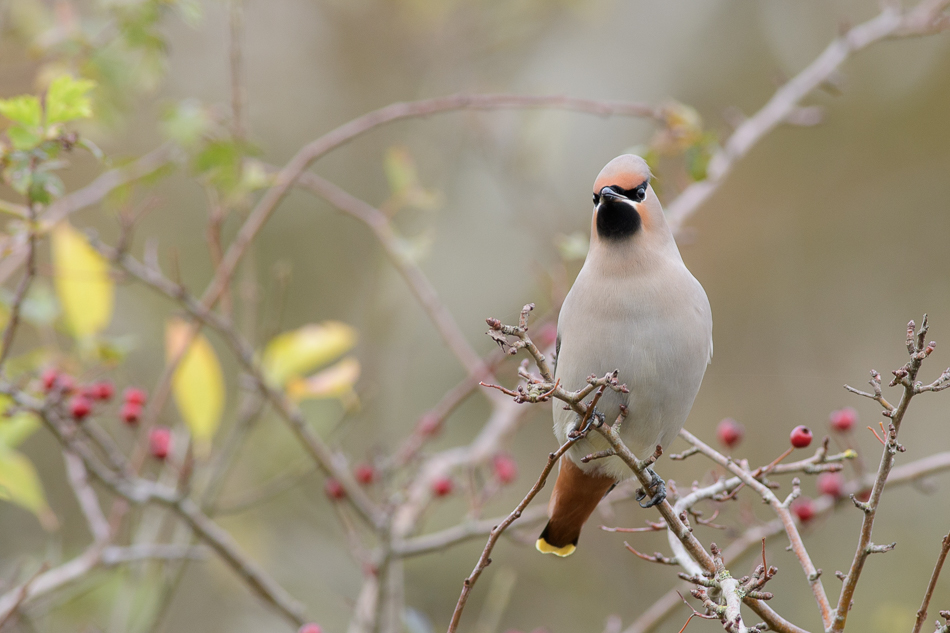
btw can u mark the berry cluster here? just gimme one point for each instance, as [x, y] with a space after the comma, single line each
[84, 398]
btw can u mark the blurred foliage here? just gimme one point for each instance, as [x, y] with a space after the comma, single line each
[82, 280]
[97, 70]
[118, 52]
[198, 382]
[117, 44]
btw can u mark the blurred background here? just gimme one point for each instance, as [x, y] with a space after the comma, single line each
[815, 253]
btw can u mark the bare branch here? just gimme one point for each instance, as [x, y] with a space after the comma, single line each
[144, 491]
[13, 319]
[485, 559]
[86, 496]
[106, 183]
[922, 611]
[289, 174]
[46, 581]
[798, 547]
[245, 355]
[905, 376]
[926, 17]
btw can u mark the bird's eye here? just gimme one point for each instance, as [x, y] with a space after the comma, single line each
[596, 198]
[639, 193]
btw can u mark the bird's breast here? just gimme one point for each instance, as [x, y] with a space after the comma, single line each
[656, 331]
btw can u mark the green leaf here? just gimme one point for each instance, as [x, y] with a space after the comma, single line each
[24, 109]
[14, 429]
[18, 173]
[220, 163]
[83, 285]
[295, 353]
[22, 138]
[67, 99]
[198, 383]
[45, 187]
[20, 484]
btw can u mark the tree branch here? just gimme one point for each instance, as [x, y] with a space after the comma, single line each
[906, 376]
[925, 18]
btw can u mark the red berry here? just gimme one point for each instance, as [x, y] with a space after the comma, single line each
[334, 489]
[843, 419]
[830, 484]
[49, 377]
[442, 487]
[804, 509]
[801, 436]
[430, 424]
[103, 391]
[80, 407]
[730, 432]
[130, 413]
[135, 395]
[310, 628]
[159, 442]
[365, 474]
[505, 468]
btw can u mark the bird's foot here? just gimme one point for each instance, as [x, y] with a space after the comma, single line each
[596, 419]
[657, 486]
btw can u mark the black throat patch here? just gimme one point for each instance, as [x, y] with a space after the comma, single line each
[616, 220]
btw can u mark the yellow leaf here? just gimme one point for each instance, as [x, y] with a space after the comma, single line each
[14, 429]
[292, 354]
[82, 282]
[335, 381]
[198, 383]
[20, 484]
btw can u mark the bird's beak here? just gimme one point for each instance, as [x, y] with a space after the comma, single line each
[607, 192]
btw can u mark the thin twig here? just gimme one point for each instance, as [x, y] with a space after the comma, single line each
[906, 377]
[420, 286]
[13, 319]
[18, 596]
[289, 174]
[782, 510]
[144, 491]
[925, 18]
[485, 559]
[247, 357]
[922, 611]
[48, 580]
[900, 476]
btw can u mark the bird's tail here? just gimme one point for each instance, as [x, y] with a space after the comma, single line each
[575, 496]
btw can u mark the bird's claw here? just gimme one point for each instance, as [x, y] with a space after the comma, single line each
[659, 495]
[596, 419]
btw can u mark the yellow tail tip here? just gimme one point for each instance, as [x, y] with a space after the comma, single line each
[546, 548]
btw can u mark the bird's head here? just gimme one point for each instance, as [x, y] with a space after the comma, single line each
[625, 207]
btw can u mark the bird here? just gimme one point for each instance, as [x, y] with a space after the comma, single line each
[635, 308]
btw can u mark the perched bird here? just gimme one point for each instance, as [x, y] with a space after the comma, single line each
[634, 307]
